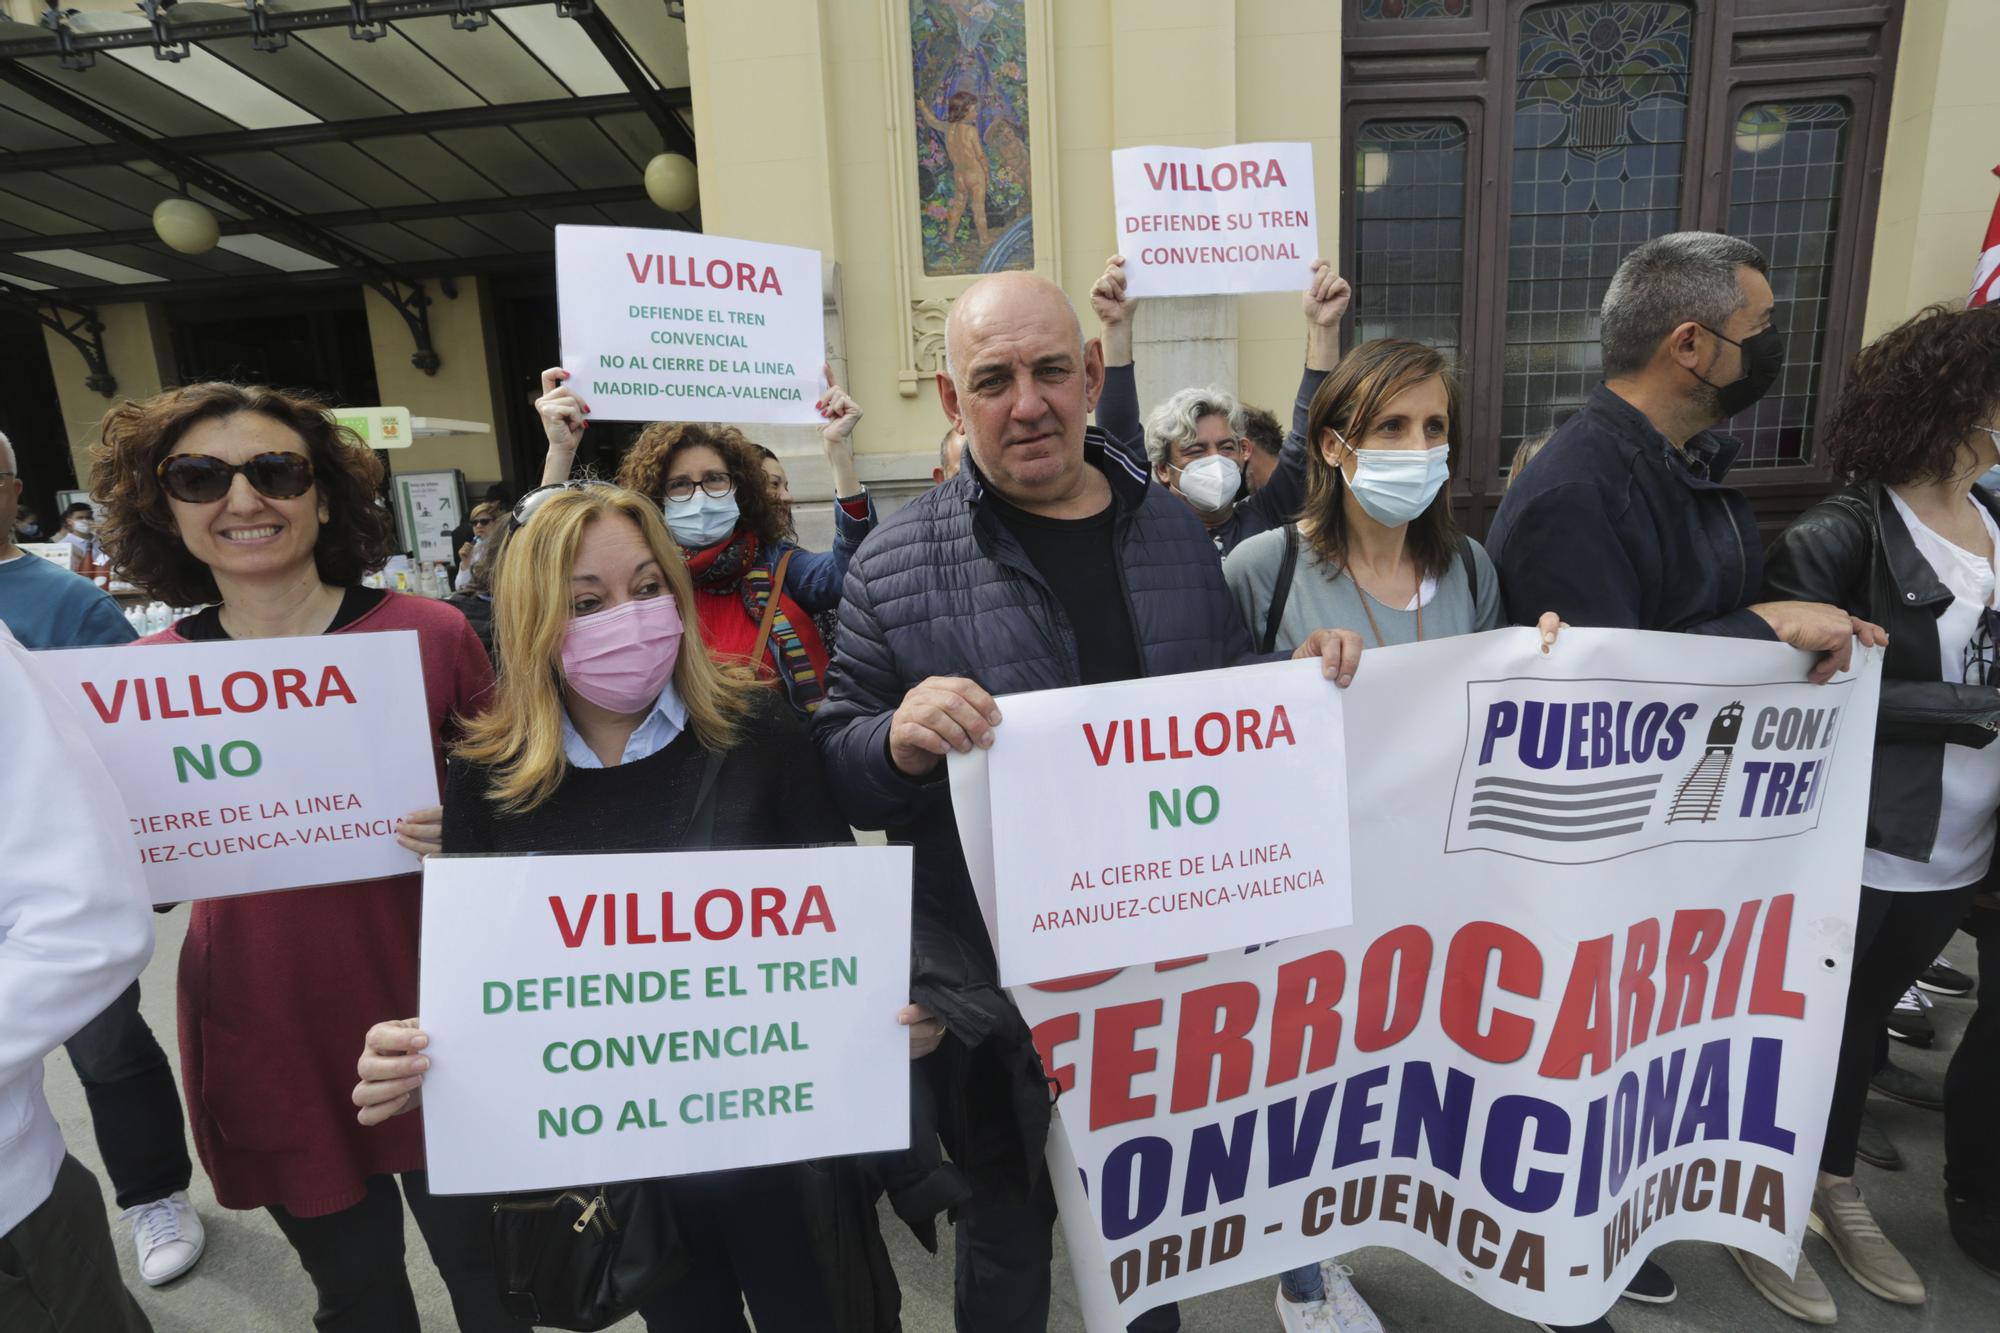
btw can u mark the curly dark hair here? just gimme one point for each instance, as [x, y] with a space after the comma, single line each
[138, 530]
[651, 458]
[1915, 395]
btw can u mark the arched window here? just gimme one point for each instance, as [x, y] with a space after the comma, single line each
[1504, 155]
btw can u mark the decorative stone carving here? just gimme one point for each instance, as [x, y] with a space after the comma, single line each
[927, 321]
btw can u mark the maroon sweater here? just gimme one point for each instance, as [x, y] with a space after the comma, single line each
[278, 989]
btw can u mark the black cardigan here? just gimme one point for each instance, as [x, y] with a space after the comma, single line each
[1853, 551]
[768, 792]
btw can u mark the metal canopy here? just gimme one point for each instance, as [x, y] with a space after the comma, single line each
[379, 141]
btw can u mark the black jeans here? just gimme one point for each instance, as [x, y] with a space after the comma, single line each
[1896, 935]
[746, 1235]
[1972, 1082]
[1004, 1241]
[355, 1259]
[135, 1108]
[58, 1272]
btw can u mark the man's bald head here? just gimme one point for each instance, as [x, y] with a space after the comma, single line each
[1007, 297]
[1021, 382]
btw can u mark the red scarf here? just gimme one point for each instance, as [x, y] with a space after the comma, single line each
[728, 629]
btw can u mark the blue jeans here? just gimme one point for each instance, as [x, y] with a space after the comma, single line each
[1304, 1283]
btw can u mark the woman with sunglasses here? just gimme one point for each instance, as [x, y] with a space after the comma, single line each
[253, 501]
[1908, 544]
[735, 533]
[614, 730]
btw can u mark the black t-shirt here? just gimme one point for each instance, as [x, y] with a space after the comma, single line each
[1076, 557]
[205, 625]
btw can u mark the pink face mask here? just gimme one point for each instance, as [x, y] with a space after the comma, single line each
[621, 659]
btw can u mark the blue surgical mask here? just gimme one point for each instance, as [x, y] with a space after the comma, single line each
[1393, 486]
[702, 519]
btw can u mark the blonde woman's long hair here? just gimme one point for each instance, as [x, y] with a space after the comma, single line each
[520, 737]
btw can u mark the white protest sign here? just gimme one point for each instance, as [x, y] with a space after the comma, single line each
[1167, 816]
[1545, 1046]
[677, 326]
[259, 764]
[1203, 221]
[625, 1016]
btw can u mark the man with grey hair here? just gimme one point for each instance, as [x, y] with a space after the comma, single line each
[1048, 561]
[134, 1105]
[1624, 521]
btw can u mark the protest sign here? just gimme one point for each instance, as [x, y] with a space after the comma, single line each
[678, 326]
[1216, 815]
[619, 1017]
[1202, 221]
[1590, 1002]
[259, 764]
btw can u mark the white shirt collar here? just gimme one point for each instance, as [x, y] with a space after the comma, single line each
[667, 720]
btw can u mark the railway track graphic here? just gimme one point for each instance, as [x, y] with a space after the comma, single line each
[1698, 800]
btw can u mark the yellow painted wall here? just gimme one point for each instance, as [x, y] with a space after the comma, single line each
[136, 348]
[462, 388]
[793, 107]
[1938, 188]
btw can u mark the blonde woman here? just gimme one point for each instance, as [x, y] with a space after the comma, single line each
[613, 730]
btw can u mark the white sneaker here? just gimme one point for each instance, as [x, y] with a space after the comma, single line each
[1341, 1310]
[1350, 1313]
[167, 1236]
[1305, 1316]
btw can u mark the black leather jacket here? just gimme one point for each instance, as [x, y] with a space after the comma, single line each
[1853, 550]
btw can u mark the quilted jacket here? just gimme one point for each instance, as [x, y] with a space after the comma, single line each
[942, 588]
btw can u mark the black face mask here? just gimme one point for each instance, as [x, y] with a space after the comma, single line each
[1763, 362]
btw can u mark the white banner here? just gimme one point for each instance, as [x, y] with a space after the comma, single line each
[620, 1017]
[259, 764]
[678, 326]
[1590, 1002]
[1167, 815]
[1204, 221]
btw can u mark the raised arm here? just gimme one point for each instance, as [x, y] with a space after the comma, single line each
[564, 419]
[1323, 302]
[1118, 406]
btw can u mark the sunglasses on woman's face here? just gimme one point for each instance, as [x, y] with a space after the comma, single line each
[197, 479]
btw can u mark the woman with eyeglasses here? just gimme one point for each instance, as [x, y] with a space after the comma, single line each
[1909, 544]
[735, 533]
[254, 502]
[614, 730]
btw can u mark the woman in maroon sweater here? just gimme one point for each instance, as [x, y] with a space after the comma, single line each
[254, 501]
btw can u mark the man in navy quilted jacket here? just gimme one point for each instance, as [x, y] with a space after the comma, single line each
[1048, 561]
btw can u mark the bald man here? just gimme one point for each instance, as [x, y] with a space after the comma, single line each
[1049, 560]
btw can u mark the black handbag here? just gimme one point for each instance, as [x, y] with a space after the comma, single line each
[587, 1257]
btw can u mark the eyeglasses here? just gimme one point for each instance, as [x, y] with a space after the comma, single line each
[197, 479]
[524, 508]
[484, 520]
[714, 485]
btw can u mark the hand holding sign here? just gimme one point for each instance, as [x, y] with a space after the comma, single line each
[1114, 312]
[391, 1067]
[937, 716]
[564, 417]
[1324, 302]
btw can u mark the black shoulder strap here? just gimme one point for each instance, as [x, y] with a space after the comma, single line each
[701, 824]
[1471, 567]
[1288, 566]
